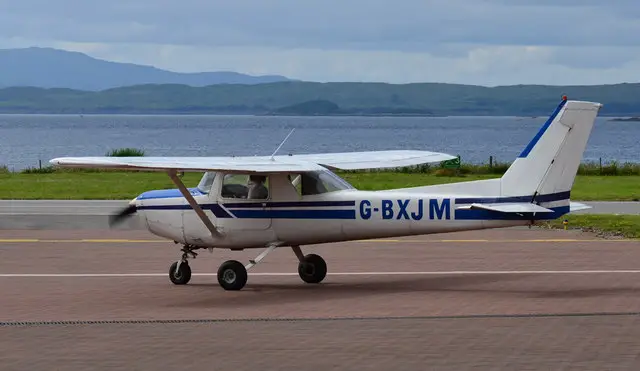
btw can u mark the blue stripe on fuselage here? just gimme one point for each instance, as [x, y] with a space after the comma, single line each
[295, 214]
[216, 209]
[249, 205]
[175, 193]
[324, 209]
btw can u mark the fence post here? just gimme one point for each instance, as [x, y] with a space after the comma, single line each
[600, 166]
[490, 162]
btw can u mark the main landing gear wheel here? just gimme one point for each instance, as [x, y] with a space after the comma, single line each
[312, 268]
[180, 276]
[232, 275]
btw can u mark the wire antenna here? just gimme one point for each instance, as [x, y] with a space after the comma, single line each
[285, 139]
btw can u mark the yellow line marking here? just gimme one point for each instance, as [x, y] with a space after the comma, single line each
[36, 240]
[19, 240]
[380, 240]
[464, 241]
[503, 241]
[118, 241]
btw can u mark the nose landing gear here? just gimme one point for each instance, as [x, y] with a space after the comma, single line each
[180, 271]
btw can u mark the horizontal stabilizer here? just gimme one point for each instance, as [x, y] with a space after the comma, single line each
[514, 207]
[576, 206]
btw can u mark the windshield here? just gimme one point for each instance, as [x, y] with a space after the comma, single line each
[317, 182]
[206, 182]
[333, 182]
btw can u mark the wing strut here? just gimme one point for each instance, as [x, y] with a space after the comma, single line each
[173, 174]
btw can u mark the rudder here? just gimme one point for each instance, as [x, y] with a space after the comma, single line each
[549, 164]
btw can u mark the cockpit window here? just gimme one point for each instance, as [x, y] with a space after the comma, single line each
[249, 186]
[318, 182]
[206, 182]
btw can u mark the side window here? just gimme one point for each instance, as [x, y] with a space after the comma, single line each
[311, 184]
[245, 186]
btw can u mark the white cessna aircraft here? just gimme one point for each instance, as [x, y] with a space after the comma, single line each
[297, 200]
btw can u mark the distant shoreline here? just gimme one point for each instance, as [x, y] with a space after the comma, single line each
[307, 99]
[626, 119]
[612, 116]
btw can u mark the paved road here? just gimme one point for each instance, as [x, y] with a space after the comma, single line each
[94, 214]
[525, 300]
[606, 207]
[61, 207]
[62, 214]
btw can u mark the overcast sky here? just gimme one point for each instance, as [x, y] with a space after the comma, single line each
[485, 42]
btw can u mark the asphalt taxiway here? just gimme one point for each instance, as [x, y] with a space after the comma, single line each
[498, 299]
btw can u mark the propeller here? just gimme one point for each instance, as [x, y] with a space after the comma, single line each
[122, 214]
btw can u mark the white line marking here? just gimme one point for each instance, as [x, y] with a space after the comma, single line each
[329, 274]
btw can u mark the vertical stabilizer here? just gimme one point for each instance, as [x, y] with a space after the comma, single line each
[549, 163]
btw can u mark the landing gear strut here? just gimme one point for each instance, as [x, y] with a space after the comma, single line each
[232, 275]
[180, 271]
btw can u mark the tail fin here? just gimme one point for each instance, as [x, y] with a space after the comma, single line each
[547, 167]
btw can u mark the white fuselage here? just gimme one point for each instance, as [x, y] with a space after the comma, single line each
[291, 219]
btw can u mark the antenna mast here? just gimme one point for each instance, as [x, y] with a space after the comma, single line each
[285, 139]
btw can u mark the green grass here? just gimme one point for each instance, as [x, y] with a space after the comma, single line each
[85, 185]
[627, 226]
[72, 184]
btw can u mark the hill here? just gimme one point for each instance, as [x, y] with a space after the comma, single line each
[310, 98]
[54, 68]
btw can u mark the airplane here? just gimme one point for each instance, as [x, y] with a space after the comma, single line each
[304, 202]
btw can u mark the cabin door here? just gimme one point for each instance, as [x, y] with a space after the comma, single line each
[244, 203]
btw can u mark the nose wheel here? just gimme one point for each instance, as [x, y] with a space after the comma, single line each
[180, 273]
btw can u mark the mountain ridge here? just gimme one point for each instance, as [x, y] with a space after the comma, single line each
[56, 68]
[45, 90]
[314, 98]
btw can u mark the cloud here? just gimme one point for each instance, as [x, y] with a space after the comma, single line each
[472, 41]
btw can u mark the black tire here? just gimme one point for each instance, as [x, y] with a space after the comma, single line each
[183, 276]
[313, 269]
[232, 275]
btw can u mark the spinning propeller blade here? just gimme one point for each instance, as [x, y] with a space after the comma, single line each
[122, 215]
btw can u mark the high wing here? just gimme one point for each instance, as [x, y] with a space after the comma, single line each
[261, 164]
[374, 159]
[231, 164]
